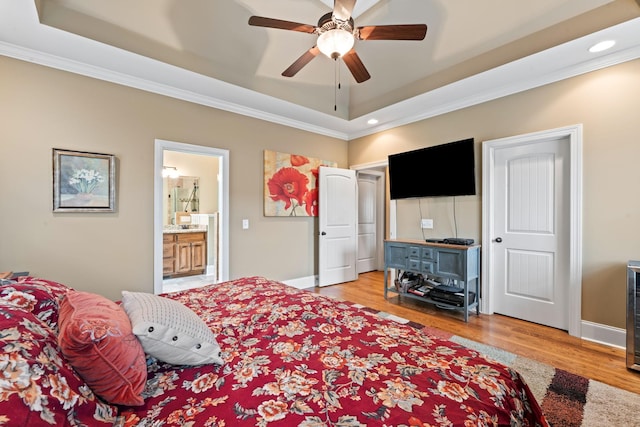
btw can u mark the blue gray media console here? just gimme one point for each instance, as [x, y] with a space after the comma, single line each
[452, 265]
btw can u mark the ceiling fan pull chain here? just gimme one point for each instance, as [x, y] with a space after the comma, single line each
[336, 84]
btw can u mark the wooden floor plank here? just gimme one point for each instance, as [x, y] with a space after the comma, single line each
[544, 344]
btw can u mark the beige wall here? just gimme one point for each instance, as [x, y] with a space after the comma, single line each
[606, 102]
[42, 108]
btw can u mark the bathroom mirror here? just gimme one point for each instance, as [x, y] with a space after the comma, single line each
[182, 194]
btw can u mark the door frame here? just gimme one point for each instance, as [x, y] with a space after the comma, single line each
[223, 202]
[574, 199]
[384, 224]
[379, 208]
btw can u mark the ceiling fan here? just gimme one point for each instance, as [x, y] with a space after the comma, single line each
[337, 35]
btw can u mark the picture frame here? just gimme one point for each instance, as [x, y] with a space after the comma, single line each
[291, 184]
[83, 181]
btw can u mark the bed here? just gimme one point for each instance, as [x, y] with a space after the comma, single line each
[288, 358]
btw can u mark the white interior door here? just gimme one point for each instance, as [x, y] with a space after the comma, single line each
[337, 217]
[532, 227]
[367, 223]
[530, 239]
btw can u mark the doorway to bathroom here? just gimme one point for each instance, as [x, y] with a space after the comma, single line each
[190, 199]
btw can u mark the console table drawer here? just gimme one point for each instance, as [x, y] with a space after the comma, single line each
[414, 252]
[414, 265]
[428, 253]
[427, 267]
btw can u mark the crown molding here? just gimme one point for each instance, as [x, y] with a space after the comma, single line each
[562, 62]
[179, 91]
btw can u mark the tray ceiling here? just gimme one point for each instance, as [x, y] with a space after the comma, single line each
[211, 39]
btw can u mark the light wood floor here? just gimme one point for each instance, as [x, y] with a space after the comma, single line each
[548, 345]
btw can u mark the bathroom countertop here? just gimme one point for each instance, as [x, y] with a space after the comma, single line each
[178, 229]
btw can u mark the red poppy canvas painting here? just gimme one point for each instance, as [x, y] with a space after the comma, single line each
[291, 184]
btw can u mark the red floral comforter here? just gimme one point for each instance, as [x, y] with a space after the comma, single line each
[294, 358]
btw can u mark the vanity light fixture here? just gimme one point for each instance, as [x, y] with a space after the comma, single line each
[170, 172]
[602, 46]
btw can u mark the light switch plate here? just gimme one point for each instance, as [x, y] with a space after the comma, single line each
[245, 224]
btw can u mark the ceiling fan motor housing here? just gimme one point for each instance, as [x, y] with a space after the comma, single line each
[329, 22]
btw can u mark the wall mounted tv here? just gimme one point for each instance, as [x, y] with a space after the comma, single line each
[440, 170]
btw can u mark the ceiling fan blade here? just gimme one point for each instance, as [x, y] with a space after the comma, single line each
[260, 21]
[355, 65]
[342, 9]
[393, 32]
[301, 62]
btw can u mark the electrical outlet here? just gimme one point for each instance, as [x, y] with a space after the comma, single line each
[426, 223]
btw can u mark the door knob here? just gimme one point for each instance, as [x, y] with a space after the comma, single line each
[498, 239]
[323, 234]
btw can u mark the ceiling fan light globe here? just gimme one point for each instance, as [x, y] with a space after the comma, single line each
[335, 43]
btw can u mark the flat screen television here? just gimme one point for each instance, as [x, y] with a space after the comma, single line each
[440, 170]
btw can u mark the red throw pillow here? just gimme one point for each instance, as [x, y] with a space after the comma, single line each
[97, 340]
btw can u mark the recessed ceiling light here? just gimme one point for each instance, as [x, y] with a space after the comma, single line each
[372, 121]
[604, 45]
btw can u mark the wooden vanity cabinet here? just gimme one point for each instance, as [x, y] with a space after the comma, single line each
[184, 254]
[168, 254]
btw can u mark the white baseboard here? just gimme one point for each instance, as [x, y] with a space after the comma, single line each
[302, 282]
[604, 334]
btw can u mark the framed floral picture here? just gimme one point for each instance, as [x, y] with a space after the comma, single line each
[83, 182]
[291, 184]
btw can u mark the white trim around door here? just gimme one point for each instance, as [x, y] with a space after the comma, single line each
[223, 194]
[574, 135]
[378, 168]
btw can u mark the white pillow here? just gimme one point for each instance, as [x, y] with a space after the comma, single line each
[170, 331]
